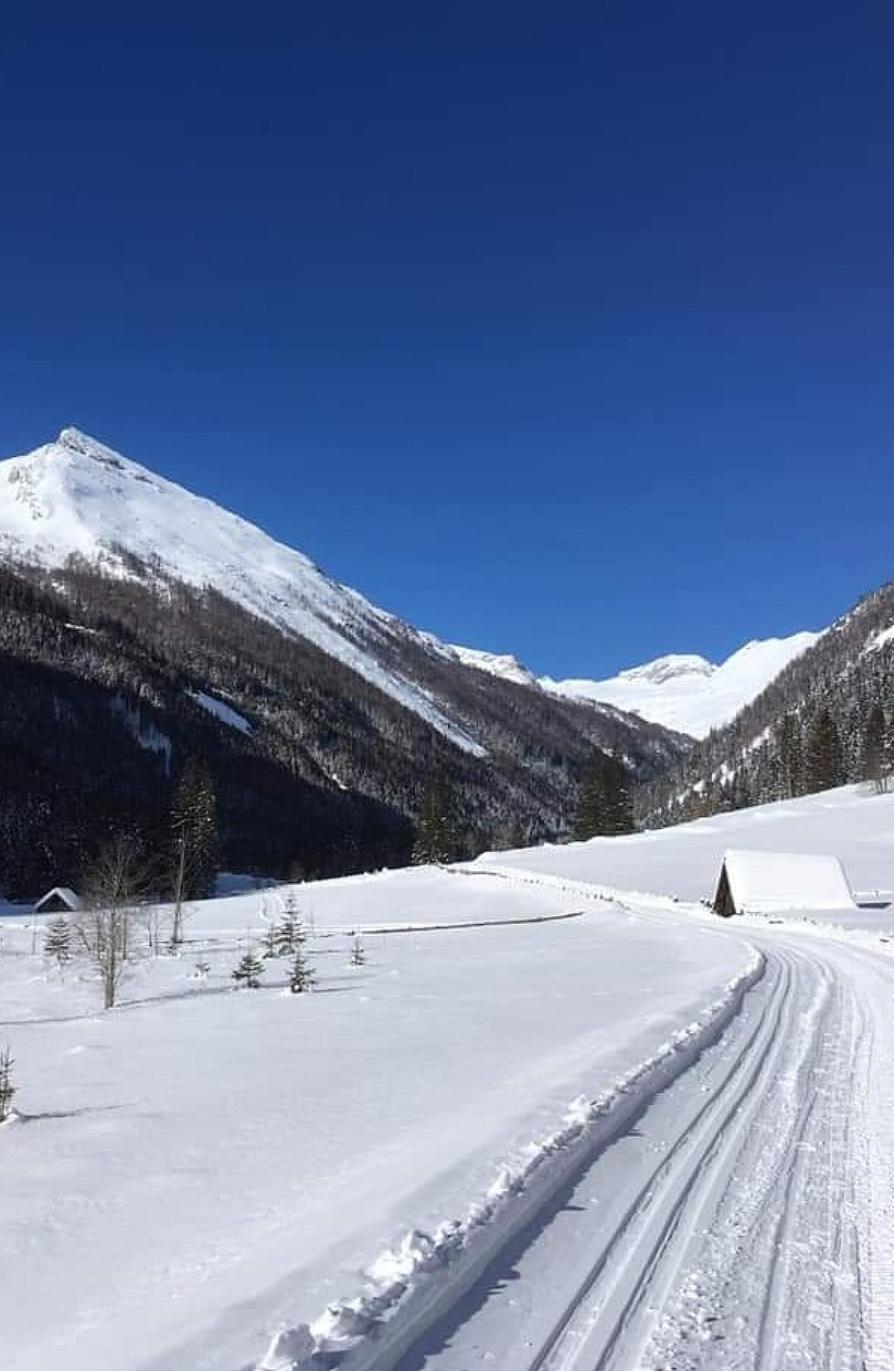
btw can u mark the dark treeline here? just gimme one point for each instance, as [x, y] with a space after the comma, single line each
[828, 719]
[99, 717]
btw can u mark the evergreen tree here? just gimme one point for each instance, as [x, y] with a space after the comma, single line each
[271, 942]
[888, 753]
[302, 977]
[739, 793]
[788, 749]
[57, 943]
[194, 841]
[605, 805]
[513, 836]
[435, 839]
[824, 763]
[619, 796]
[358, 953]
[590, 817]
[249, 971]
[872, 759]
[7, 1089]
[290, 931]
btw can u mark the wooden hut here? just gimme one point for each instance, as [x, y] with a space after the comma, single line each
[770, 882]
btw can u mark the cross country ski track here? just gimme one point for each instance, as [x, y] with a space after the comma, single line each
[741, 1221]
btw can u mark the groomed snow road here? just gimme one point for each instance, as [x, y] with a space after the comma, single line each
[742, 1220]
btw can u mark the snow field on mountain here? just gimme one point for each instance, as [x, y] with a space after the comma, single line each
[687, 692]
[201, 1167]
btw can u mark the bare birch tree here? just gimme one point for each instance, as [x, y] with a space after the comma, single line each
[112, 891]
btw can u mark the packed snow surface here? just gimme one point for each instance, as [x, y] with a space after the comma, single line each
[687, 692]
[76, 497]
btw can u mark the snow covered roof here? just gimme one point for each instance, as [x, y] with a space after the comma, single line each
[59, 893]
[766, 882]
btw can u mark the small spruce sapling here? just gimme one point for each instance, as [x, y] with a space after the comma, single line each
[290, 931]
[57, 943]
[271, 941]
[249, 971]
[358, 953]
[7, 1089]
[302, 977]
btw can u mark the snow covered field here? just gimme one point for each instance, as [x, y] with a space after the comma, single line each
[851, 823]
[637, 1136]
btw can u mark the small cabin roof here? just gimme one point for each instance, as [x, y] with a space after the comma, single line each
[61, 892]
[767, 882]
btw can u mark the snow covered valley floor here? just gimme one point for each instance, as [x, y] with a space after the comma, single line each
[636, 1137]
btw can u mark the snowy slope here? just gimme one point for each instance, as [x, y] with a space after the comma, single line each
[689, 693]
[504, 665]
[310, 1173]
[266, 1147]
[77, 497]
[849, 823]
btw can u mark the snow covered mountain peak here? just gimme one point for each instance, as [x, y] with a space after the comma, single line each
[75, 440]
[688, 693]
[669, 668]
[76, 497]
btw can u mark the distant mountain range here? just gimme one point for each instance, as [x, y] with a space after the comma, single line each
[689, 693]
[827, 718]
[142, 624]
[685, 693]
[158, 625]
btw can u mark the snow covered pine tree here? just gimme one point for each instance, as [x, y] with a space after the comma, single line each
[249, 971]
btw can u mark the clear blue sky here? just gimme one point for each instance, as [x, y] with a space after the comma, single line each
[559, 329]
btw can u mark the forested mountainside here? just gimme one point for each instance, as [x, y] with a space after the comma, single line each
[108, 684]
[827, 719]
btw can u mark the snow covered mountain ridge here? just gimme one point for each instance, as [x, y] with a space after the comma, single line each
[76, 497]
[689, 693]
[681, 691]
